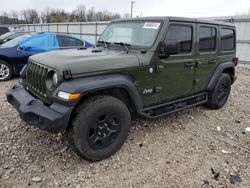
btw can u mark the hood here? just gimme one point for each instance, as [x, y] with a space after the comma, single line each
[86, 61]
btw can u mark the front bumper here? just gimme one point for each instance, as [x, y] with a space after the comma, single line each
[53, 118]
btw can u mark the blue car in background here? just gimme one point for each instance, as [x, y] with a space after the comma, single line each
[10, 35]
[14, 53]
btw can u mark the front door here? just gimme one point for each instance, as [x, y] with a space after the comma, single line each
[175, 74]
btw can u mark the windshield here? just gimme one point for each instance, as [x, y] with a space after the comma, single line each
[16, 41]
[5, 35]
[136, 33]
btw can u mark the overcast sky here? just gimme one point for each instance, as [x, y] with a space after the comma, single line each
[188, 8]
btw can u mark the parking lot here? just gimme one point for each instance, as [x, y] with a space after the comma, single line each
[193, 148]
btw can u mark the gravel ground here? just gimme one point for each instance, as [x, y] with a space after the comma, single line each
[194, 148]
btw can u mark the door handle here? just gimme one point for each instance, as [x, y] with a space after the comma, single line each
[189, 64]
[212, 61]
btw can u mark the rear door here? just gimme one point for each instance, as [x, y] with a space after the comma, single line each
[175, 74]
[207, 55]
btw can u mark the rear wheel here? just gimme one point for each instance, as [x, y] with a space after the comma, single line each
[100, 128]
[5, 71]
[219, 95]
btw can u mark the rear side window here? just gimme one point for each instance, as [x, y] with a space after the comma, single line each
[3, 30]
[207, 41]
[13, 36]
[227, 42]
[183, 34]
[68, 42]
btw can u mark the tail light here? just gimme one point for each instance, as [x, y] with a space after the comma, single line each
[235, 61]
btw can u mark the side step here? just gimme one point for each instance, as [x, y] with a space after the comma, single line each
[175, 106]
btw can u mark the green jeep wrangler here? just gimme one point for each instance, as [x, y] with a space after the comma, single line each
[145, 66]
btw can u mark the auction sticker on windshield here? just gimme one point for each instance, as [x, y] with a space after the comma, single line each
[151, 25]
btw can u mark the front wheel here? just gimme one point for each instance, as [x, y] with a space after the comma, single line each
[5, 71]
[219, 95]
[100, 127]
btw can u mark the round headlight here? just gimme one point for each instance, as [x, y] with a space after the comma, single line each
[55, 79]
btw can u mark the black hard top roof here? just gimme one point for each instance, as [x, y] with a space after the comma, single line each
[181, 19]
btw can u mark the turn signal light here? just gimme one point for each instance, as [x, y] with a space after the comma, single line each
[74, 96]
[68, 96]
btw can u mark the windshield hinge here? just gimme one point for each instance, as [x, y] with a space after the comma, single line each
[67, 74]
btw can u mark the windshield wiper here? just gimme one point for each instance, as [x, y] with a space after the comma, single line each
[104, 42]
[123, 44]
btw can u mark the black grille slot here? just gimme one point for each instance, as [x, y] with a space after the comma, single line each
[36, 78]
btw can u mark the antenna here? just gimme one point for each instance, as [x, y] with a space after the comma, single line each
[132, 4]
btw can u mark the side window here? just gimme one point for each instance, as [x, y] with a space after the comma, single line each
[14, 36]
[207, 41]
[4, 30]
[68, 42]
[227, 42]
[41, 42]
[182, 34]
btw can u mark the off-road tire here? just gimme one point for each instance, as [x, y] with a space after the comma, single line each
[8, 66]
[219, 95]
[82, 125]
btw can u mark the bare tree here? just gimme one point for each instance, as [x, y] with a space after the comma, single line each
[4, 18]
[30, 16]
[59, 16]
[46, 15]
[99, 16]
[33, 16]
[106, 16]
[126, 15]
[91, 16]
[80, 13]
[14, 17]
[24, 16]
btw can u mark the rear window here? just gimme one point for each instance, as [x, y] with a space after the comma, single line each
[68, 42]
[207, 39]
[227, 42]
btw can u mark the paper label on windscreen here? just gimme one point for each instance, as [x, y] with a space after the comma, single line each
[151, 25]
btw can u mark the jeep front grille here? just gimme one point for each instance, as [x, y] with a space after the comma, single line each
[36, 78]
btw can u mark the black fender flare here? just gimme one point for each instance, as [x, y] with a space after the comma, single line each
[217, 73]
[91, 84]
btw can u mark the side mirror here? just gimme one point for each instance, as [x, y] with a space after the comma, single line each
[172, 47]
[24, 48]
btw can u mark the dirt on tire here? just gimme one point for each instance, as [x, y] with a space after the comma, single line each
[197, 147]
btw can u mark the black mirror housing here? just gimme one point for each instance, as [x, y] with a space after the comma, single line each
[172, 47]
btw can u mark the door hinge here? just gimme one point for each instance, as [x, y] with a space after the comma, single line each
[195, 81]
[159, 68]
